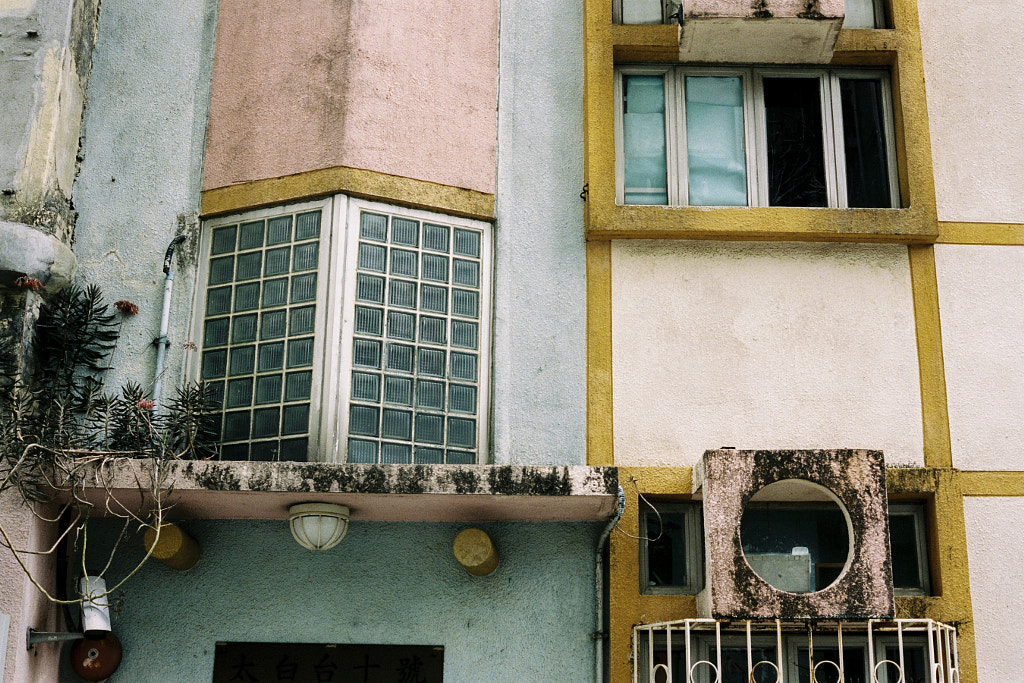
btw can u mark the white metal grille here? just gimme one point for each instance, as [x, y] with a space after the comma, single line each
[873, 651]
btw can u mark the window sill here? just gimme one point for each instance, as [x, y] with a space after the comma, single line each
[388, 493]
[906, 226]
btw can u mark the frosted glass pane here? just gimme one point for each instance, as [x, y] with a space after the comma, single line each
[429, 456]
[433, 330]
[279, 230]
[405, 231]
[464, 335]
[239, 393]
[236, 425]
[362, 420]
[271, 357]
[641, 12]
[643, 128]
[214, 364]
[218, 301]
[298, 386]
[250, 235]
[243, 329]
[462, 399]
[303, 288]
[222, 270]
[467, 243]
[360, 451]
[366, 353]
[714, 138]
[463, 366]
[369, 321]
[398, 390]
[397, 424]
[435, 268]
[430, 394]
[402, 294]
[300, 353]
[461, 458]
[223, 240]
[403, 262]
[467, 273]
[401, 326]
[242, 360]
[249, 266]
[268, 389]
[302, 320]
[429, 428]
[435, 237]
[395, 454]
[307, 225]
[400, 357]
[465, 303]
[431, 362]
[373, 226]
[265, 422]
[277, 261]
[860, 14]
[216, 333]
[434, 299]
[371, 257]
[306, 256]
[272, 325]
[461, 432]
[370, 288]
[275, 292]
[365, 387]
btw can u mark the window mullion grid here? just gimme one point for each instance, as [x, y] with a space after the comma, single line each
[676, 161]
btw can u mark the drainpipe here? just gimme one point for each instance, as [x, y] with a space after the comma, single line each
[162, 342]
[599, 634]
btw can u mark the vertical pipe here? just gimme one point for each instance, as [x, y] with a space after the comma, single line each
[162, 342]
[599, 587]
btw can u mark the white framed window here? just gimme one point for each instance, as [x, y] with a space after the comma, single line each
[859, 13]
[346, 330]
[672, 549]
[688, 136]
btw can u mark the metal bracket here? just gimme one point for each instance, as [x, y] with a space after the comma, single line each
[32, 637]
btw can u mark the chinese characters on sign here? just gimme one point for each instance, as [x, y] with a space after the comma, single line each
[318, 663]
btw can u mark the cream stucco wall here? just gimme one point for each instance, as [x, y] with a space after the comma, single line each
[762, 346]
[981, 290]
[407, 89]
[975, 92]
[997, 574]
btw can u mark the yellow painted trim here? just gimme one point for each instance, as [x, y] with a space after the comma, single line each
[996, 234]
[600, 419]
[357, 182]
[934, 409]
[993, 483]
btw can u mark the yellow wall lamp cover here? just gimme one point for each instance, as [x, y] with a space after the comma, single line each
[318, 526]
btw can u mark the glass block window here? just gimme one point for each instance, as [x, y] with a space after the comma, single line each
[417, 337]
[258, 333]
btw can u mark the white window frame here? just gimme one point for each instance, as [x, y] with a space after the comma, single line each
[668, 7]
[755, 128]
[332, 360]
[693, 537]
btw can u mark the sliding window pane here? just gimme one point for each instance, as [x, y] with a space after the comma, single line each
[867, 173]
[641, 12]
[643, 132]
[862, 14]
[796, 149]
[714, 141]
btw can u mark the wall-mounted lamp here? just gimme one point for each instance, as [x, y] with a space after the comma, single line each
[318, 526]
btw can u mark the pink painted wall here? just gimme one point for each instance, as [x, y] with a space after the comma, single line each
[399, 87]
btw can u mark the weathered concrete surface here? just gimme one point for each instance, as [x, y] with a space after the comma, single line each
[728, 479]
[256, 490]
[530, 620]
[980, 293]
[26, 250]
[382, 85]
[762, 346]
[539, 365]
[45, 59]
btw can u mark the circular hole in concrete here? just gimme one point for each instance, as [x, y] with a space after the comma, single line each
[796, 536]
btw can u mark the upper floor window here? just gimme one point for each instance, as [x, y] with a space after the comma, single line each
[859, 13]
[755, 137]
[347, 330]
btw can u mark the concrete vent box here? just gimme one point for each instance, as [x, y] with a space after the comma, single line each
[760, 31]
[853, 481]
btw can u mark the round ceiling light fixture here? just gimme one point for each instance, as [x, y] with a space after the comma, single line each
[318, 526]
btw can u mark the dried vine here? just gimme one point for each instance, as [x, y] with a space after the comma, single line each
[62, 437]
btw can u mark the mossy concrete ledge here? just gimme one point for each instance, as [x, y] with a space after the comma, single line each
[26, 250]
[424, 493]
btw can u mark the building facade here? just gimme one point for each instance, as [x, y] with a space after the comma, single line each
[501, 266]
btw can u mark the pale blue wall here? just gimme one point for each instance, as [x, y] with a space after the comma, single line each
[387, 583]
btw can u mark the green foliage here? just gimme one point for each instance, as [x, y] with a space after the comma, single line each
[58, 410]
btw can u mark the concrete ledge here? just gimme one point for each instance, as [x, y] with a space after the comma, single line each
[394, 493]
[25, 250]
